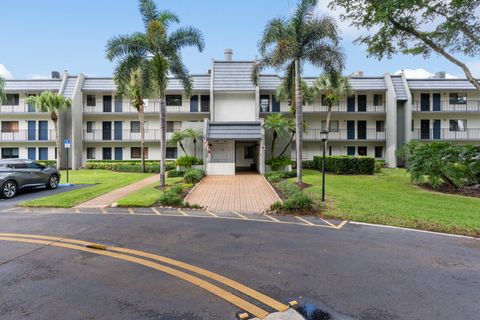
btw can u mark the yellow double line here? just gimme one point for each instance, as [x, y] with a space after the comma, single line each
[133, 256]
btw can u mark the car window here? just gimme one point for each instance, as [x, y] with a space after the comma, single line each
[18, 165]
[34, 165]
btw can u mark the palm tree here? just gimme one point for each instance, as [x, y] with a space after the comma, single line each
[287, 44]
[157, 52]
[53, 103]
[2, 90]
[193, 135]
[333, 86]
[177, 139]
[279, 125]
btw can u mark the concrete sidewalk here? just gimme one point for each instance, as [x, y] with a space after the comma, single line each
[107, 199]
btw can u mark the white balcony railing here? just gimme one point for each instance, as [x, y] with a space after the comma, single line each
[151, 106]
[341, 106]
[469, 134]
[20, 108]
[447, 106]
[344, 135]
[28, 135]
[122, 135]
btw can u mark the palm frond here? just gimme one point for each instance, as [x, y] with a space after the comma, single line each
[148, 11]
[179, 70]
[126, 45]
[167, 17]
[186, 37]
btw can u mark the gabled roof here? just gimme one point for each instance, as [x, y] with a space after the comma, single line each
[440, 84]
[32, 85]
[234, 130]
[233, 76]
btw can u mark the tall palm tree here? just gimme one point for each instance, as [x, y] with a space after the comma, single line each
[2, 90]
[177, 139]
[193, 135]
[53, 103]
[279, 126]
[333, 86]
[157, 52]
[287, 44]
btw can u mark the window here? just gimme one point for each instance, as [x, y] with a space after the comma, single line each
[174, 100]
[90, 126]
[248, 152]
[135, 152]
[91, 101]
[458, 98]
[9, 126]
[458, 125]
[43, 153]
[350, 151]
[379, 152]
[333, 125]
[205, 103]
[171, 153]
[362, 151]
[135, 126]
[264, 102]
[380, 126]
[170, 126]
[34, 165]
[9, 153]
[12, 99]
[378, 100]
[90, 153]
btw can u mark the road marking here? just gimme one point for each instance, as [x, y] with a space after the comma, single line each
[272, 218]
[226, 295]
[240, 215]
[182, 212]
[305, 221]
[340, 226]
[329, 223]
[156, 211]
[211, 213]
[103, 210]
[130, 210]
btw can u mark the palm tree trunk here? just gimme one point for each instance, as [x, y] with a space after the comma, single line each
[141, 116]
[54, 118]
[195, 148]
[299, 121]
[163, 139]
[329, 114]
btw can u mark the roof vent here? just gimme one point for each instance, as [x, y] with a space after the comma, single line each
[228, 54]
[55, 75]
[439, 75]
[357, 74]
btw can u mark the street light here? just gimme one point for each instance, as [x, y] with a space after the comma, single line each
[324, 138]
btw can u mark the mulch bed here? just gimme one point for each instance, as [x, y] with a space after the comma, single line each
[468, 192]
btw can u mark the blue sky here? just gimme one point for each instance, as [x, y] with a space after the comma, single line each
[39, 36]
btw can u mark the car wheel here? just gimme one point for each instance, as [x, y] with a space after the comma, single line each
[9, 190]
[53, 182]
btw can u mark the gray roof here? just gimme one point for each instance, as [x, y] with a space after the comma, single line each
[269, 82]
[99, 84]
[400, 90]
[359, 84]
[234, 130]
[440, 84]
[200, 82]
[233, 76]
[69, 87]
[32, 85]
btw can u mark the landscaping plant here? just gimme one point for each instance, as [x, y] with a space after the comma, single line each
[188, 162]
[193, 176]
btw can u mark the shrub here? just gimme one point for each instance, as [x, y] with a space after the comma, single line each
[151, 166]
[379, 165]
[298, 201]
[277, 205]
[188, 162]
[177, 189]
[289, 188]
[48, 163]
[279, 163]
[347, 164]
[193, 176]
[175, 173]
[170, 198]
[277, 176]
[308, 164]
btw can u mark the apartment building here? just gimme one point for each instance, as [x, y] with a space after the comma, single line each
[383, 113]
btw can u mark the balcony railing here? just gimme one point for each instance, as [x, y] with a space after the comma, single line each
[344, 135]
[122, 135]
[28, 135]
[20, 108]
[151, 106]
[341, 106]
[447, 106]
[469, 134]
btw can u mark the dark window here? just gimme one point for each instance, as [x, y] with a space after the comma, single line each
[90, 153]
[458, 125]
[458, 98]
[205, 103]
[171, 153]
[379, 152]
[34, 165]
[174, 100]
[333, 125]
[90, 126]
[380, 126]
[42, 153]
[91, 101]
[9, 126]
[248, 152]
[135, 152]
[170, 125]
[12, 99]
[362, 151]
[9, 153]
[264, 103]
[378, 100]
[413, 123]
[350, 151]
[135, 126]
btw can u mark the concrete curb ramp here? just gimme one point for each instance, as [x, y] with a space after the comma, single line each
[290, 314]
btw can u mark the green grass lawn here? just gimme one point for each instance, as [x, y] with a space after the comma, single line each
[147, 196]
[390, 198]
[103, 181]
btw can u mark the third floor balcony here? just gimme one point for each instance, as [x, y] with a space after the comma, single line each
[150, 106]
[122, 135]
[318, 106]
[446, 106]
[360, 134]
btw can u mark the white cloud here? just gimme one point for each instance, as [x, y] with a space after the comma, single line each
[421, 73]
[347, 31]
[474, 67]
[4, 72]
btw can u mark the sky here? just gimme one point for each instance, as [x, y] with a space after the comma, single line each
[39, 36]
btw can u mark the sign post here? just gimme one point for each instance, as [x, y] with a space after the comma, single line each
[67, 143]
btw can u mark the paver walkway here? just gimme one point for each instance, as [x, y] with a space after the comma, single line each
[244, 192]
[107, 199]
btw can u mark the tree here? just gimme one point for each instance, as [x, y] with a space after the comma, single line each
[53, 103]
[417, 27]
[193, 135]
[333, 86]
[157, 52]
[177, 139]
[287, 44]
[279, 125]
[2, 90]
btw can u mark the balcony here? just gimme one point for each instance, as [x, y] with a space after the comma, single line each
[151, 106]
[341, 106]
[446, 106]
[28, 136]
[20, 108]
[345, 135]
[123, 135]
[470, 134]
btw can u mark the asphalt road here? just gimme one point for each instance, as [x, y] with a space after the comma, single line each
[358, 272]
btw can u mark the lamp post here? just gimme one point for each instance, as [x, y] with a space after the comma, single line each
[324, 138]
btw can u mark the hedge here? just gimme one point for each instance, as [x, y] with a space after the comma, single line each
[128, 165]
[346, 164]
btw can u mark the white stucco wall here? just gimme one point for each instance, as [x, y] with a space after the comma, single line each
[235, 107]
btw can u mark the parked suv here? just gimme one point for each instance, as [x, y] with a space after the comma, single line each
[17, 174]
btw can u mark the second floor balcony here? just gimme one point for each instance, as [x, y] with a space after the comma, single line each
[27, 136]
[341, 106]
[18, 108]
[346, 135]
[446, 106]
[123, 135]
[467, 134]
[151, 106]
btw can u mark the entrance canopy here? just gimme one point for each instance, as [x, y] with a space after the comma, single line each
[251, 130]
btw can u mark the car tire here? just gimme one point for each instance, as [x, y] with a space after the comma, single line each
[53, 182]
[9, 190]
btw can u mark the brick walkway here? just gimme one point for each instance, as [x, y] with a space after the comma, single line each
[107, 199]
[244, 192]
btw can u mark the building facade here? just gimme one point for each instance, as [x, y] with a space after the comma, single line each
[383, 113]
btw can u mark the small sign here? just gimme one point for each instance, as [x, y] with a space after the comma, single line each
[67, 143]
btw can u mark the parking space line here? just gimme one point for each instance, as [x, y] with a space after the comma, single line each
[130, 210]
[156, 211]
[329, 223]
[211, 213]
[340, 226]
[103, 210]
[240, 215]
[305, 221]
[271, 218]
[182, 212]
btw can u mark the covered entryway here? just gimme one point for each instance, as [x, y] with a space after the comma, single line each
[243, 192]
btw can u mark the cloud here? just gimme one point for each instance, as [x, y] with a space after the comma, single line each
[421, 73]
[474, 67]
[4, 72]
[347, 31]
